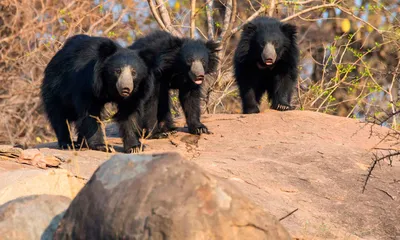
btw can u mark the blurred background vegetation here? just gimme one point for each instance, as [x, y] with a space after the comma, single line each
[350, 51]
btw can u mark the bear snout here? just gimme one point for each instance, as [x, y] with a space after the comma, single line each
[197, 72]
[269, 54]
[125, 82]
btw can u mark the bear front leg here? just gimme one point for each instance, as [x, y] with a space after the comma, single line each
[164, 116]
[89, 129]
[282, 94]
[58, 122]
[130, 129]
[190, 102]
[249, 102]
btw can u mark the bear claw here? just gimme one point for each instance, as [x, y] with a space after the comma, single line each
[199, 130]
[104, 148]
[135, 149]
[282, 107]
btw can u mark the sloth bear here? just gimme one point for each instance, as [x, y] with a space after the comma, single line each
[87, 73]
[266, 59]
[193, 59]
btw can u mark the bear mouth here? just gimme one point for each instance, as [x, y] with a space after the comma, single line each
[269, 61]
[199, 79]
[125, 92]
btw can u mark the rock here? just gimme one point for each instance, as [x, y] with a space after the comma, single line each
[20, 182]
[32, 217]
[163, 196]
[29, 156]
[284, 161]
[36, 158]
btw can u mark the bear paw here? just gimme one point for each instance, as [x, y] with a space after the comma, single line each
[103, 148]
[69, 146]
[135, 149]
[198, 130]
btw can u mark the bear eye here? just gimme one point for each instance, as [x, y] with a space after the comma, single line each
[133, 72]
[117, 71]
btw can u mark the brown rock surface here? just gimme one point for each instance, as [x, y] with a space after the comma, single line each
[17, 180]
[283, 161]
[32, 217]
[163, 196]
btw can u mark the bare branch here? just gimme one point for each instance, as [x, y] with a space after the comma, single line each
[166, 19]
[116, 22]
[236, 29]
[372, 167]
[230, 16]
[359, 19]
[272, 8]
[155, 14]
[210, 20]
[329, 5]
[192, 18]
[390, 93]
[296, 2]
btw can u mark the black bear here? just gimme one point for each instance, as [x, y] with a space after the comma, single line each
[87, 73]
[266, 59]
[193, 60]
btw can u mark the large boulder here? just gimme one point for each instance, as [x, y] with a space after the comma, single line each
[32, 217]
[163, 196]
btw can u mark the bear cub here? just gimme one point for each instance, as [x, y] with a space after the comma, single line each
[192, 61]
[266, 60]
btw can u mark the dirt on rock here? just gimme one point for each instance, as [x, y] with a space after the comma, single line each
[309, 164]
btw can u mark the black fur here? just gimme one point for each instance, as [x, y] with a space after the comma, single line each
[178, 77]
[84, 75]
[252, 74]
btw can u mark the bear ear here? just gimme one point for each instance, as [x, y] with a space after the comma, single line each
[148, 56]
[212, 46]
[164, 58]
[249, 27]
[289, 30]
[106, 49]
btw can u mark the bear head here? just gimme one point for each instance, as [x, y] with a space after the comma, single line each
[270, 40]
[198, 58]
[119, 71]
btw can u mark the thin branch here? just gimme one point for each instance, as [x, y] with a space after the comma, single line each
[227, 18]
[295, 2]
[329, 5]
[192, 18]
[116, 22]
[155, 14]
[372, 167]
[272, 8]
[166, 19]
[287, 215]
[359, 19]
[390, 92]
[236, 29]
[210, 20]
